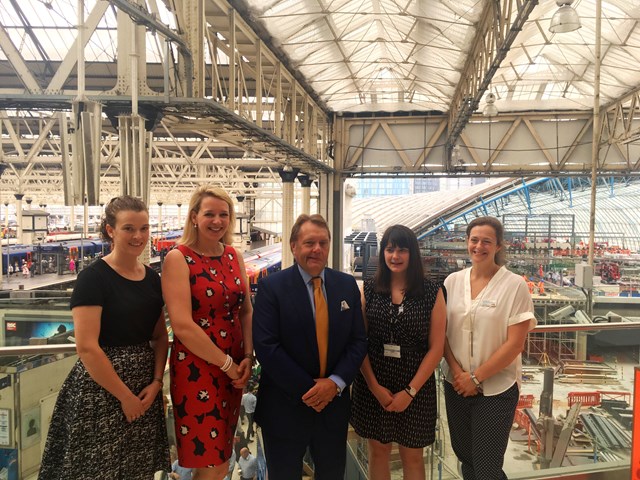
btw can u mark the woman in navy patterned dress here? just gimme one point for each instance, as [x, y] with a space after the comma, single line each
[394, 396]
[207, 294]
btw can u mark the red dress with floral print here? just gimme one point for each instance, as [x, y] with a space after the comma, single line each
[205, 403]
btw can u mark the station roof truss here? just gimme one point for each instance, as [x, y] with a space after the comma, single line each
[544, 203]
[252, 86]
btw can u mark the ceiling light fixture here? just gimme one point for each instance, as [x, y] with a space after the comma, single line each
[490, 110]
[565, 19]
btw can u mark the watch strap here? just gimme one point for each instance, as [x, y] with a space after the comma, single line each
[476, 382]
[409, 391]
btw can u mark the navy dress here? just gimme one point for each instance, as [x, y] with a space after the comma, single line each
[406, 325]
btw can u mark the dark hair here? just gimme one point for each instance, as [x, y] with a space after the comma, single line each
[316, 219]
[403, 237]
[123, 203]
[493, 222]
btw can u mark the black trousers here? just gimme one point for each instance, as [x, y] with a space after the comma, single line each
[328, 450]
[250, 429]
[479, 427]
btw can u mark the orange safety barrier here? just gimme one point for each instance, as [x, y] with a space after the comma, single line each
[587, 399]
[522, 419]
[525, 401]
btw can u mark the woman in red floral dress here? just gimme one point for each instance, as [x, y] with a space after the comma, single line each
[205, 287]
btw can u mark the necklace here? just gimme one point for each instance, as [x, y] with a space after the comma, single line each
[474, 311]
[203, 253]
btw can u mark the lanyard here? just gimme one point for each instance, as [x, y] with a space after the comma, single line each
[395, 313]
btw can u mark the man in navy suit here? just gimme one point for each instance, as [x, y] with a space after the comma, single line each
[297, 407]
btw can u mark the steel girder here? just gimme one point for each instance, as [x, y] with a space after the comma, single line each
[542, 144]
[497, 30]
[34, 149]
[243, 94]
[620, 128]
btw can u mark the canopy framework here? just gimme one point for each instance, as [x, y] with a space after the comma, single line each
[251, 86]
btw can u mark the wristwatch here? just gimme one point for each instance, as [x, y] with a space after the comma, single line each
[411, 391]
[477, 382]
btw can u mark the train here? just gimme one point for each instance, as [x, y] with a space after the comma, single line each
[52, 257]
[262, 262]
[258, 262]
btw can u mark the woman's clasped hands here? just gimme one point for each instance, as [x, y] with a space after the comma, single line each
[463, 384]
[239, 374]
[392, 402]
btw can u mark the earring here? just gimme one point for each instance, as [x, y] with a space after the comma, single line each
[195, 225]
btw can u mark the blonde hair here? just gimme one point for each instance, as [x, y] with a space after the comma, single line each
[190, 232]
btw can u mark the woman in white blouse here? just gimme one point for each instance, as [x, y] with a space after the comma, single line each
[489, 313]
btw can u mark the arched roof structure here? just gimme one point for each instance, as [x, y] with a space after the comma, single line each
[231, 91]
[563, 203]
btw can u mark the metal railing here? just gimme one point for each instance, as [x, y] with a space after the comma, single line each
[439, 461]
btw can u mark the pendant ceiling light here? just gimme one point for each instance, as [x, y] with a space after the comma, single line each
[490, 109]
[565, 19]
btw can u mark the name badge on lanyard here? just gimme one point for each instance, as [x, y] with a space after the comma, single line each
[391, 350]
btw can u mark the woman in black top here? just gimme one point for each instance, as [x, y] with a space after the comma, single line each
[108, 421]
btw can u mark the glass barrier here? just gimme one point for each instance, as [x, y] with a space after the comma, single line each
[586, 435]
[596, 441]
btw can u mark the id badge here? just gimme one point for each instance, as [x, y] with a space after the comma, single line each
[391, 350]
[488, 303]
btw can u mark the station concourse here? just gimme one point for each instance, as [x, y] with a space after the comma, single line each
[294, 106]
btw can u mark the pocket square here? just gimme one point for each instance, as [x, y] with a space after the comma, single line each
[344, 306]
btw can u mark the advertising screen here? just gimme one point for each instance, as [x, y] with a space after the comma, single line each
[19, 332]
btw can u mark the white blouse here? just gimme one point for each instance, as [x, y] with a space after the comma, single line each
[477, 328]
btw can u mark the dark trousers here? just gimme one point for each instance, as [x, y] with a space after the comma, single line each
[250, 431]
[479, 427]
[328, 450]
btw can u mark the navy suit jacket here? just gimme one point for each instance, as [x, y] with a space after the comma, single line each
[284, 338]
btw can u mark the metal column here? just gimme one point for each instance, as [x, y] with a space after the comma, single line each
[288, 178]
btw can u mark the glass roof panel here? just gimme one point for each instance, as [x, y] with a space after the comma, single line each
[414, 51]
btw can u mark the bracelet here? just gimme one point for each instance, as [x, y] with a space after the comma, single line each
[227, 364]
[250, 356]
[409, 392]
[159, 380]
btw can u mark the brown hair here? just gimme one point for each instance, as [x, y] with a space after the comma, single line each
[190, 233]
[116, 205]
[403, 237]
[493, 222]
[316, 219]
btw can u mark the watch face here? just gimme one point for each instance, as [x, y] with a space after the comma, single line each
[412, 391]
